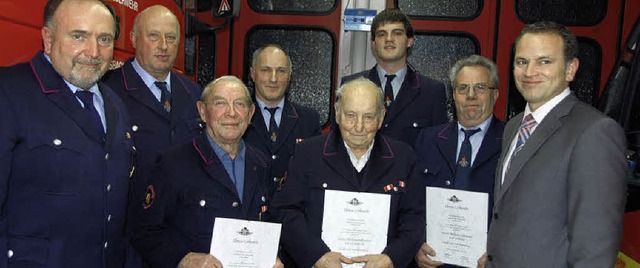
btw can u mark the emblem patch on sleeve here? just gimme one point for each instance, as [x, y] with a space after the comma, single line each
[149, 196]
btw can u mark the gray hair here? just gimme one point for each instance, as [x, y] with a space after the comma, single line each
[360, 82]
[472, 61]
[227, 78]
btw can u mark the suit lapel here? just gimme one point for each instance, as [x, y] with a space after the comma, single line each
[447, 145]
[136, 88]
[335, 155]
[211, 164]
[57, 91]
[549, 125]
[257, 123]
[110, 113]
[181, 98]
[509, 134]
[490, 144]
[408, 92]
[251, 177]
[381, 159]
[288, 121]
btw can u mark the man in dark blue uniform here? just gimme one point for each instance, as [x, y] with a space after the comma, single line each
[442, 148]
[413, 101]
[278, 123]
[215, 175]
[355, 158]
[162, 104]
[65, 150]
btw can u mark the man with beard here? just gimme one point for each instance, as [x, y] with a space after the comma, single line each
[162, 104]
[65, 153]
[413, 101]
[463, 155]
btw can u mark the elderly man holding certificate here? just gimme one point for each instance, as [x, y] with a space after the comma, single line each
[206, 197]
[350, 195]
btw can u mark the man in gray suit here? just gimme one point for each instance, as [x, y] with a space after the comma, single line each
[560, 183]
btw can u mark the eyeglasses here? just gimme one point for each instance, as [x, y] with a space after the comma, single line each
[463, 89]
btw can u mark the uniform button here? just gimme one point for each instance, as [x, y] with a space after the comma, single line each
[425, 171]
[200, 125]
[415, 124]
[263, 199]
[106, 244]
[235, 204]
[447, 182]
[395, 189]
[57, 142]
[386, 125]
[495, 216]
[274, 157]
[324, 185]
[9, 253]
[106, 156]
[275, 179]
[108, 187]
[109, 217]
[202, 203]
[134, 128]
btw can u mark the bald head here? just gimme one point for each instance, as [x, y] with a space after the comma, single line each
[156, 38]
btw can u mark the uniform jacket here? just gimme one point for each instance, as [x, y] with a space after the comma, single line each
[421, 102]
[322, 163]
[190, 188]
[152, 128]
[436, 147]
[296, 124]
[562, 200]
[63, 189]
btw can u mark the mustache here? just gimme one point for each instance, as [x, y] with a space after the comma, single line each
[88, 61]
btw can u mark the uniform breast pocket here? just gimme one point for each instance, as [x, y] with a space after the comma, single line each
[201, 211]
[56, 162]
[28, 252]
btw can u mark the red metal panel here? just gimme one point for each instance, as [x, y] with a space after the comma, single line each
[249, 18]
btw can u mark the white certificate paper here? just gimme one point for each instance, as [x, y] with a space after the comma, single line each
[354, 223]
[457, 225]
[242, 243]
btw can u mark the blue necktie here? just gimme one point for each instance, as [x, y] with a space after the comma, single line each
[273, 126]
[87, 99]
[463, 166]
[165, 96]
[388, 90]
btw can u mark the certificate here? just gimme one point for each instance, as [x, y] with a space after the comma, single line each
[457, 225]
[242, 243]
[355, 224]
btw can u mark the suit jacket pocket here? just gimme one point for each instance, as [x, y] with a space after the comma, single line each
[28, 251]
[56, 161]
